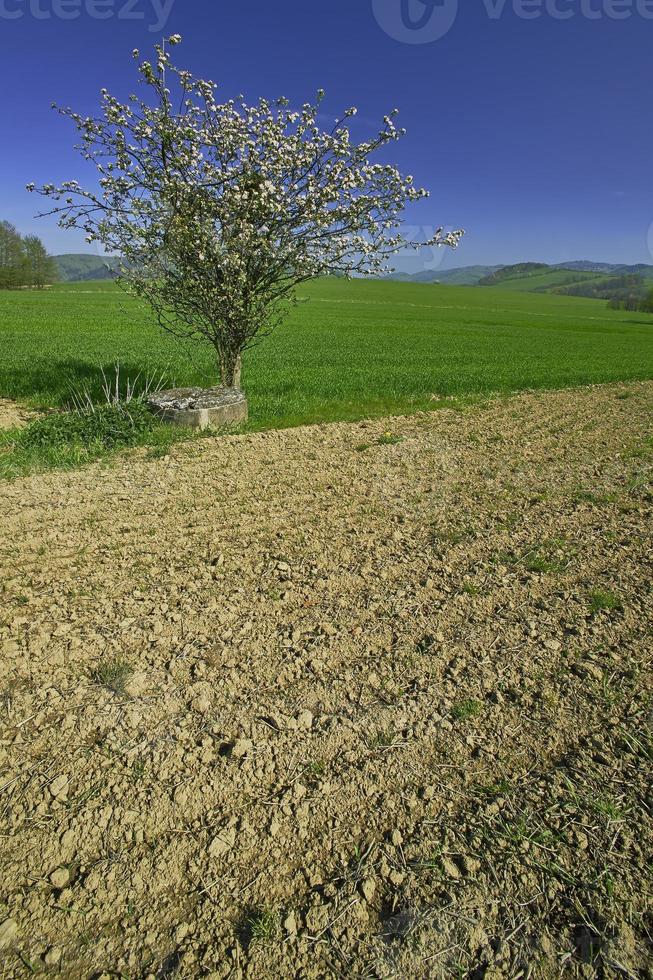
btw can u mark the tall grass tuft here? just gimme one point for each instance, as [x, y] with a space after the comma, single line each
[116, 390]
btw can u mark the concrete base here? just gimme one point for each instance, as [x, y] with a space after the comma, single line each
[200, 408]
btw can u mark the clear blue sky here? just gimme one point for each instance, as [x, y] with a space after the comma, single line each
[532, 133]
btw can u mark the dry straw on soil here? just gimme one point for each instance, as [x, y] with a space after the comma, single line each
[13, 416]
[333, 702]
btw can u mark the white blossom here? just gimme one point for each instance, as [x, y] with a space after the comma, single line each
[219, 210]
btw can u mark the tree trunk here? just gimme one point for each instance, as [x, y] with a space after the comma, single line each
[235, 381]
[230, 373]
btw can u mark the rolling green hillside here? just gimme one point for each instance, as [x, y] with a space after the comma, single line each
[532, 277]
[540, 278]
[523, 277]
[510, 273]
[468, 275]
[81, 268]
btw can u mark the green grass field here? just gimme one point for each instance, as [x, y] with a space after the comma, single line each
[349, 349]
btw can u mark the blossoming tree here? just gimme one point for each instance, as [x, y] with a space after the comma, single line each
[219, 210]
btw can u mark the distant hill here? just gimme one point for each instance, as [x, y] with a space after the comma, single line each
[571, 273]
[598, 280]
[80, 268]
[522, 270]
[584, 266]
[468, 275]
[609, 268]
[536, 277]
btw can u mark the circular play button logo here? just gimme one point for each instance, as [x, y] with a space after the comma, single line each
[415, 21]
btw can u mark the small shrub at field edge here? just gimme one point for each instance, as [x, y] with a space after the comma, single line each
[450, 538]
[388, 439]
[107, 426]
[138, 770]
[114, 674]
[69, 439]
[466, 709]
[315, 769]
[471, 589]
[382, 739]
[606, 601]
[596, 499]
[263, 924]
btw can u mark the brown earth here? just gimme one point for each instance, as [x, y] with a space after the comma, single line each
[13, 415]
[333, 702]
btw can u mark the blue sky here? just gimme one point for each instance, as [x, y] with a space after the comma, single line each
[531, 131]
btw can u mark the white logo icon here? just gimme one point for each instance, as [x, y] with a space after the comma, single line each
[415, 21]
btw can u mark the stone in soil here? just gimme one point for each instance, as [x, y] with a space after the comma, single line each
[8, 932]
[200, 408]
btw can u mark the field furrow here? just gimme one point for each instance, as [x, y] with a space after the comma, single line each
[363, 699]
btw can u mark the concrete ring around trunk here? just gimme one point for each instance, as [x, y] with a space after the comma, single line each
[199, 408]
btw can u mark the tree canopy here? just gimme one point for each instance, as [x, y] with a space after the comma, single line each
[23, 261]
[221, 209]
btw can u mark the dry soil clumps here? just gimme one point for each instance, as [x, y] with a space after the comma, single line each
[361, 700]
[13, 415]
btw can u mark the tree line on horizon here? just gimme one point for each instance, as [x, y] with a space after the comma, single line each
[24, 261]
[633, 302]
